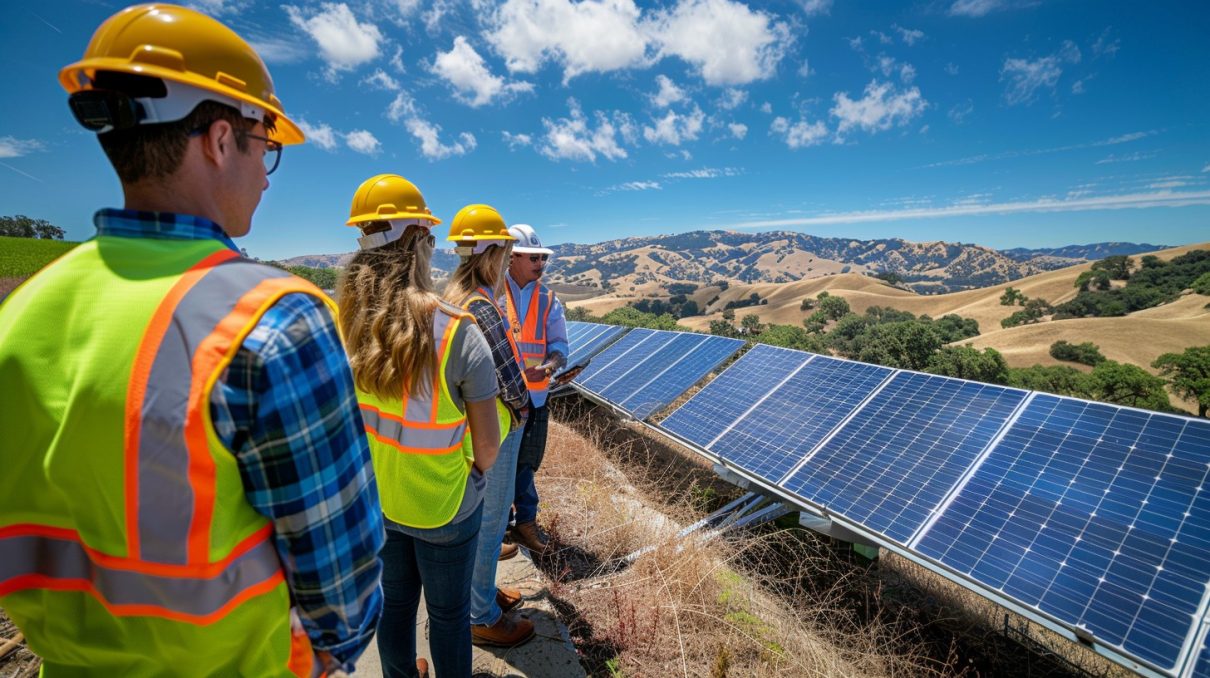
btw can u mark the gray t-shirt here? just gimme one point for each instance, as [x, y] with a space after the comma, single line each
[471, 376]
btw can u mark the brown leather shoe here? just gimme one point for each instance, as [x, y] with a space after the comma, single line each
[508, 599]
[531, 537]
[509, 631]
[507, 551]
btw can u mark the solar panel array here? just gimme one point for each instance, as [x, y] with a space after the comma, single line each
[586, 339]
[1093, 517]
[646, 370]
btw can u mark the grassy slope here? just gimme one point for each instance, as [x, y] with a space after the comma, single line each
[22, 257]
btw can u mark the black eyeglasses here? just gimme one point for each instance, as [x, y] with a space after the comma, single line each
[533, 258]
[272, 148]
[272, 152]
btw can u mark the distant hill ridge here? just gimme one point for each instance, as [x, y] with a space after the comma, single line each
[784, 256]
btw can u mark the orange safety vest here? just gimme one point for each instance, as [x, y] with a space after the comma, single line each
[531, 335]
[127, 545]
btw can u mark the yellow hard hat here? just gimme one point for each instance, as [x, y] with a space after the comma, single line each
[478, 222]
[384, 197]
[186, 48]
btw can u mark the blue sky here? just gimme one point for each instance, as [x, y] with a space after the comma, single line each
[1000, 122]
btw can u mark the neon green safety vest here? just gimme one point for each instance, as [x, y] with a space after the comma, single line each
[417, 441]
[127, 546]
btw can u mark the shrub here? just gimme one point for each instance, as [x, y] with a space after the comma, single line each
[1086, 353]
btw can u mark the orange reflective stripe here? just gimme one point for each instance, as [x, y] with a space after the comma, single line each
[302, 658]
[144, 359]
[412, 450]
[212, 355]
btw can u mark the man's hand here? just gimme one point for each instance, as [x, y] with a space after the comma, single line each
[536, 373]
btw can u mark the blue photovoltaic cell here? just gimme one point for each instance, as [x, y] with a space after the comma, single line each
[890, 466]
[797, 415]
[1202, 668]
[1094, 514]
[622, 361]
[642, 372]
[711, 410]
[618, 348]
[590, 340]
[680, 375]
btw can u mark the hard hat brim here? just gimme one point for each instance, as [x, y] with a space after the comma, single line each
[286, 131]
[364, 218]
[532, 250]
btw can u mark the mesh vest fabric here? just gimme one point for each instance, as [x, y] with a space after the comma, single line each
[126, 541]
[418, 441]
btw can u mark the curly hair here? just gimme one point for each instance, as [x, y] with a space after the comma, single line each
[386, 302]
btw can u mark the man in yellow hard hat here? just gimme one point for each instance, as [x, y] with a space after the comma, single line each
[188, 487]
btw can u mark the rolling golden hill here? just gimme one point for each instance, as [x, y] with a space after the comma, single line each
[1138, 338]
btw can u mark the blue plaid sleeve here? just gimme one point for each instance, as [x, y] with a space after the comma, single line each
[288, 409]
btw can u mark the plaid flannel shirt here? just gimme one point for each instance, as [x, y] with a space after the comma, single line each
[288, 410]
[491, 322]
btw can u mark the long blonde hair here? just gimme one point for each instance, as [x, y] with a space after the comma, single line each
[386, 302]
[485, 269]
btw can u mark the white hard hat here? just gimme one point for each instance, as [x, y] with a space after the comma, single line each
[527, 241]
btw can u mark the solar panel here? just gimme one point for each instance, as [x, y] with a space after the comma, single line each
[1200, 666]
[616, 360]
[1096, 515]
[680, 374]
[723, 401]
[589, 339]
[890, 466]
[640, 373]
[797, 414]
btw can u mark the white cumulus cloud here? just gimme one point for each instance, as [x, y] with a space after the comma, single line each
[910, 36]
[669, 93]
[975, 8]
[738, 130]
[572, 138]
[429, 136]
[321, 135]
[344, 42]
[675, 127]
[728, 42]
[403, 110]
[880, 108]
[464, 69]
[582, 37]
[813, 7]
[380, 79]
[516, 141]
[363, 141]
[1026, 76]
[12, 147]
[800, 134]
[732, 98]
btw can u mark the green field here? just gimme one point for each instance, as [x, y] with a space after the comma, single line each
[22, 257]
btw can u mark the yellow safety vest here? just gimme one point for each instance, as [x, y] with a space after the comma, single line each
[127, 546]
[417, 441]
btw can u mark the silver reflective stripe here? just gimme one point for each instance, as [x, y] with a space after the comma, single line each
[165, 496]
[532, 347]
[419, 407]
[65, 559]
[410, 436]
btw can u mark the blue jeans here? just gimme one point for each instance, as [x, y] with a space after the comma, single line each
[529, 458]
[497, 499]
[440, 560]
